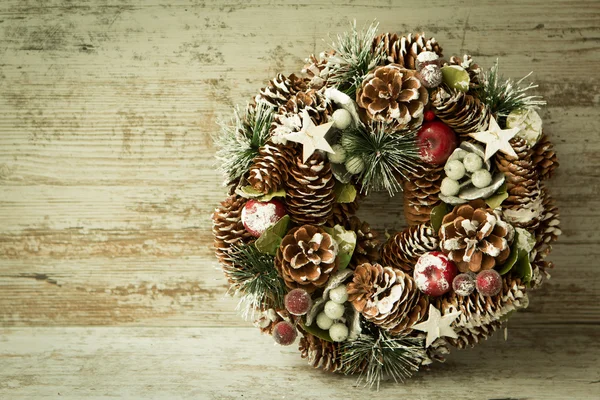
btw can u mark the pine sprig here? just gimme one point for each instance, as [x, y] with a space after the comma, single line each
[255, 279]
[396, 357]
[241, 139]
[386, 155]
[504, 95]
[354, 57]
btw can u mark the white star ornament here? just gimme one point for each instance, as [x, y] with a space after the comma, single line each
[437, 326]
[496, 139]
[311, 136]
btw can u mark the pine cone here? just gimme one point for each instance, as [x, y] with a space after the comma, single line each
[548, 230]
[469, 337]
[269, 170]
[523, 207]
[387, 297]
[462, 112]
[309, 191]
[306, 258]
[394, 95]
[404, 248]
[228, 227]
[404, 50]
[281, 89]
[288, 118]
[475, 237]
[342, 212]
[316, 70]
[321, 353]
[467, 63]
[421, 193]
[544, 158]
[267, 319]
[367, 243]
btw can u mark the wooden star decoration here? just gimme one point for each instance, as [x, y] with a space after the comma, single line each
[496, 139]
[437, 326]
[311, 136]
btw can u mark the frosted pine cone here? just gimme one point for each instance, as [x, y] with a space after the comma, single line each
[475, 237]
[460, 111]
[317, 71]
[404, 248]
[228, 227]
[544, 158]
[281, 89]
[321, 353]
[387, 297]
[394, 95]
[421, 193]
[289, 116]
[269, 170]
[306, 258]
[404, 50]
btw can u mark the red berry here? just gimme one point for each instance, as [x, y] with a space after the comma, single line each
[284, 333]
[463, 284]
[429, 115]
[436, 142]
[489, 282]
[434, 273]
[298, 302]
[258, 216]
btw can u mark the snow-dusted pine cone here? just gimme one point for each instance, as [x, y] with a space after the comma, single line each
[289, 116]
[316, 70]
[269, 170]
[475, 237]
[548, 230]
[404, 248]
[544, 158]
[281, 89]
[321, 353]
[421, 193]
[394, 95]
[462, 112]
[404, 50]
[228, 227]
[306, 257]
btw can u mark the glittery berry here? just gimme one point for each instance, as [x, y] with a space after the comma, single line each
[463, 284]
[298, 302]
[489, 282]
[284, 333]
[429, 115]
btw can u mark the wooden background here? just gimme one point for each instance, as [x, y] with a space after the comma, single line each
[108, 286]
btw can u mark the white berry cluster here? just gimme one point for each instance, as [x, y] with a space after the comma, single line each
[331, 318]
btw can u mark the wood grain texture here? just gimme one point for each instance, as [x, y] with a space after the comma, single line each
[107, 181]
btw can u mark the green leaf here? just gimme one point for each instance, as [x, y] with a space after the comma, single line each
[456, 77]
[344, 192]
[346, 241]
[437, 215]
[497, 198]
[318, 332]
[511, 260]
[248, 192]
[270, 195]
[271, 238]
[523, 267]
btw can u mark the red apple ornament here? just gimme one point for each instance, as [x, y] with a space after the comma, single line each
[436, 142]
[434, 273]
[257, 216]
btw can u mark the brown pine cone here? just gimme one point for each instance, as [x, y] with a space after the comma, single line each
[404, 248]
[394, 95]
[469, 337]
[548, 230]
[288, 119]
[228, 228]
[281, 89]
[321, 353]
[306, 258]
[387, 297]
[460, 111]
[523, 207]
[269, 170]
[404, 50]
[342, 212]
[316, 70]
[421, 193]
[367, 243]
[544, 158]
[309, 191]
[475, 237]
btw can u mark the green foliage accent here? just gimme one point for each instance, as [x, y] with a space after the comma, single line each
[269, 196]
[510, 261]
[248, 192]
[397, 357]
[240, 140]
[271, 238]
[456, 77]
[437, 215]
[354, 57]
[518, 260]
[346, 241]
[318, 332]
[387, 155]
[344, 192]
[255, 278]
[523, 267]
[503, 95]
[495, 200]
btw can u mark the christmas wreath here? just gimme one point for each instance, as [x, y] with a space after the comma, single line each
[385, 113]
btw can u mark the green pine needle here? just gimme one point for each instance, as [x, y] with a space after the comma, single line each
[241, 139]
[503, 95]
[354, 57]
[255, 278]
[396, 357]
[386, 155]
